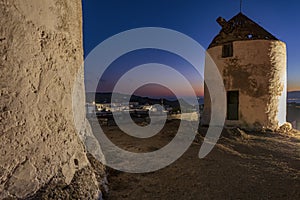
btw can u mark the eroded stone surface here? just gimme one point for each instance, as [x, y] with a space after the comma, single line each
[40, 55]
[252, 62]
[257, 70]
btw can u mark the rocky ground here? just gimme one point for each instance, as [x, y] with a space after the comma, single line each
[252, 165]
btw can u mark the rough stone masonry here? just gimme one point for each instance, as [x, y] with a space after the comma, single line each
[40, 55]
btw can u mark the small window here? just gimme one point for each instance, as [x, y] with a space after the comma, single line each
[227, 50]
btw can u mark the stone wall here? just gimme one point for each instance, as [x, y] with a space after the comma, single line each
[40, 55]
[258, 70]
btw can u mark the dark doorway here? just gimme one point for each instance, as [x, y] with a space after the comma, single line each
[233, 105]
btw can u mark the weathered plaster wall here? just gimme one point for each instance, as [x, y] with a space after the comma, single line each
[258, 70]
[40, 54]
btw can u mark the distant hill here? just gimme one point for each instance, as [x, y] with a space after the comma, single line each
[106, 98]
[294, 95]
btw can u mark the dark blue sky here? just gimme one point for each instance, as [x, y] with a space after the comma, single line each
[194, 18]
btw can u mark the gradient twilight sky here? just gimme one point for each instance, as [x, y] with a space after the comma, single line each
[195, 18]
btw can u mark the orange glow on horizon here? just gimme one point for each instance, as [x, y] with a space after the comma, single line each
[154, 90]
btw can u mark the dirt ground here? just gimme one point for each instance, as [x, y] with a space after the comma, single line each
[241, 166]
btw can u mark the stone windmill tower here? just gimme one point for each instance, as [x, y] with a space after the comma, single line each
[252, 63]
